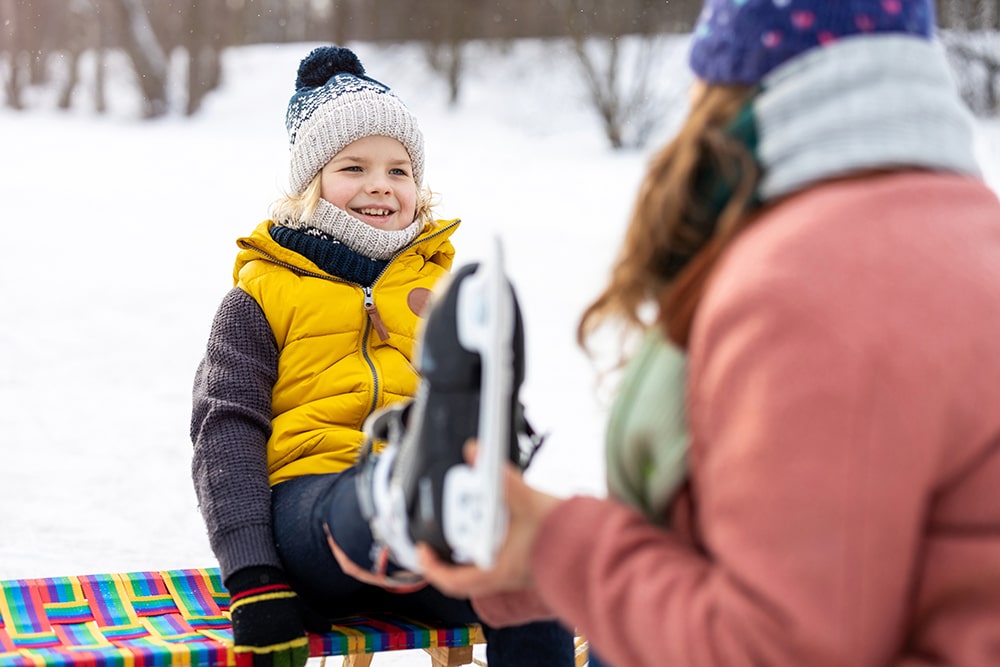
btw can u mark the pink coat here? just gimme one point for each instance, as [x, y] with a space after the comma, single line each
[844, 498]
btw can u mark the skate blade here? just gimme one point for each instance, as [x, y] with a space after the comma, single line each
[475, 515]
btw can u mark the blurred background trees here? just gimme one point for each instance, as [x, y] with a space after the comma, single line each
[177, 45]
[972, 35]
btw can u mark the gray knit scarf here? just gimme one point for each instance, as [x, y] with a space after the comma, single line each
[862, 103]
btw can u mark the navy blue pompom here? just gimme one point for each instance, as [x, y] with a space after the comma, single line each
[324, 62]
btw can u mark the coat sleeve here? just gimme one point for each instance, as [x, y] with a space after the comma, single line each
[809, 482]
[230, 425]
[506, 609]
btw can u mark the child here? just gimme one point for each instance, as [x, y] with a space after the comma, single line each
[825, 262]
[317, 333]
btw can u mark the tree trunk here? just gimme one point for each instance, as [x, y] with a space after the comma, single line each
[202, 41]
[12, 12]
[97, 33]
[72, 78]
[148, 58]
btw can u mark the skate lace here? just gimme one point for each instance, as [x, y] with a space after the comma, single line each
[529, 441]
[386, 425]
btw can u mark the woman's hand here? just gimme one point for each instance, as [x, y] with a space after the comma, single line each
[527, 509]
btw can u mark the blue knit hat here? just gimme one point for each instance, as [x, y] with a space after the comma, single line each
[335, 104]
[740, 41]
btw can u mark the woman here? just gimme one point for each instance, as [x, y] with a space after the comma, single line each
[804, 460]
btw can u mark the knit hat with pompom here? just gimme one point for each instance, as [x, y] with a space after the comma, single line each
[335, 104]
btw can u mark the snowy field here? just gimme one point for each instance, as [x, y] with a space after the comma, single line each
[120, 244]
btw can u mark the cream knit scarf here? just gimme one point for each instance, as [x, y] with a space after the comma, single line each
[359, 236]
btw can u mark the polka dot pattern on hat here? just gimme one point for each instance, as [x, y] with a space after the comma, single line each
[740, 41]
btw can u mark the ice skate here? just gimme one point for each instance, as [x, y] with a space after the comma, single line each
[471, 361]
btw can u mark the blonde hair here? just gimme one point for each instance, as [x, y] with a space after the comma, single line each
[675, 234]
[300, 208]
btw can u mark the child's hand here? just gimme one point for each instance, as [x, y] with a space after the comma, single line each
[267, 626]
[399, 582]
[512, 571]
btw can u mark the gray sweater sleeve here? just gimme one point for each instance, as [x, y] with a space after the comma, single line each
[230, 425]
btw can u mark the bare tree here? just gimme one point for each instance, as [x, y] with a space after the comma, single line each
[329, 21]
[11, 51]
[147, 57]
[618, 72]
[977, 60]
[99, 40]
[73, 44]
[339, 22]
[449, 31]
[21, 26]
[203, 41]
[617, 66]
[86, 32]
[972, 36]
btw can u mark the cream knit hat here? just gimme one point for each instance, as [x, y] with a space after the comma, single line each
[335, 104]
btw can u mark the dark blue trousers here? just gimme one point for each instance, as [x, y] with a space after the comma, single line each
[301, 506]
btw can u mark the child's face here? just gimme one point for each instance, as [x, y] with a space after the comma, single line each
[372, 179]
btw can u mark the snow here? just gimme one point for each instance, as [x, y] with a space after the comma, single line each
[120, 243]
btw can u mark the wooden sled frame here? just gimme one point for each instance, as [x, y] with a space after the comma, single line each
[181, 617]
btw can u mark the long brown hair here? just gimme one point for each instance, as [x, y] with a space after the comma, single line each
[691, 203]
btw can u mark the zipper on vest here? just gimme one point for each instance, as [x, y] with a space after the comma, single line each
[376, 319]
[370, 306]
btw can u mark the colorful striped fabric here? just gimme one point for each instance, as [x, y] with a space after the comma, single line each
[171, 617]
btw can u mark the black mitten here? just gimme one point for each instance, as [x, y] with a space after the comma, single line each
[267, 625]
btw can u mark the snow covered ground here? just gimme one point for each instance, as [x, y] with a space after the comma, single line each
[119, 243]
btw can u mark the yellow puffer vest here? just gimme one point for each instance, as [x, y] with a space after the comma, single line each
[337, 360]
